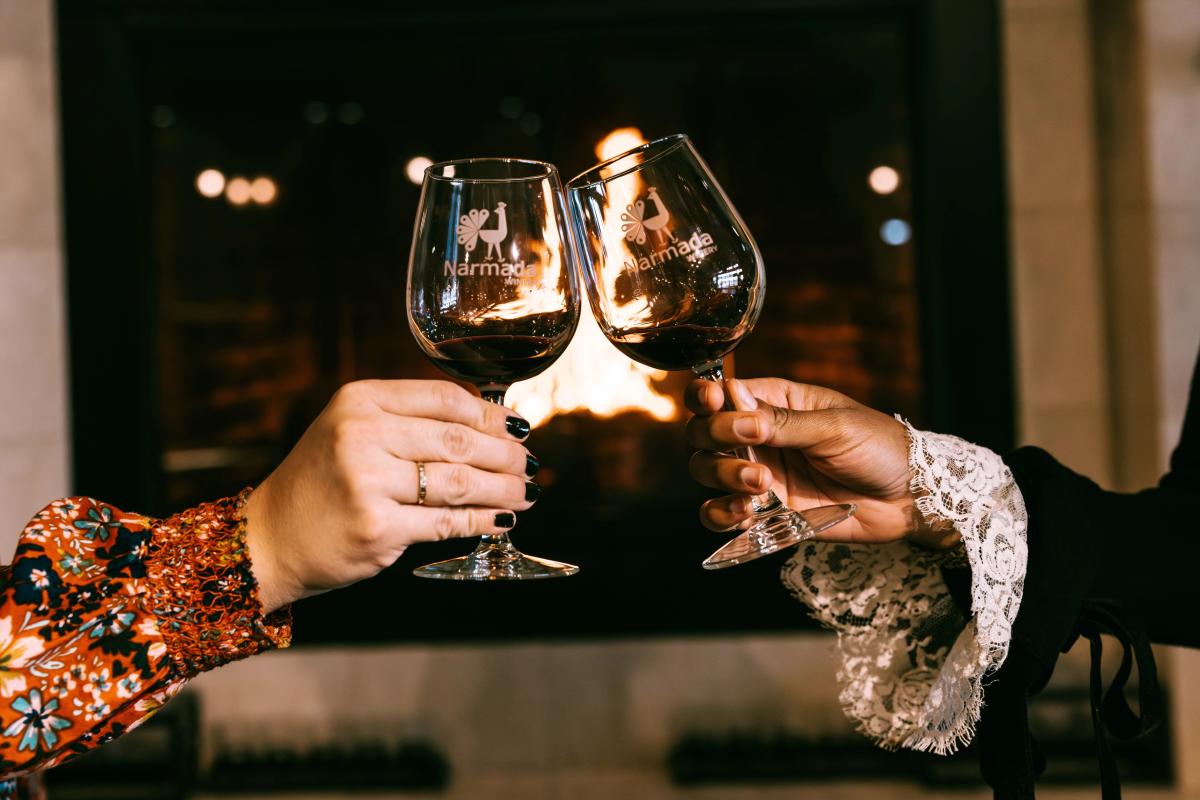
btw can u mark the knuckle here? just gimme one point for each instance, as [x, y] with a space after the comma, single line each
[492, 417]
[460, 484]
[383, 559]
[351, 393]
[450, 395]
[780, 418]
[370, 529]
[457, 442]
[446, 524]
[346, 436]
[516, 458]
[514, 491]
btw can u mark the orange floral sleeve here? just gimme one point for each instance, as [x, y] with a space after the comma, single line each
[104, 616]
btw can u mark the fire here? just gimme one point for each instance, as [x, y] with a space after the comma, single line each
[618, 141]
[591, 375]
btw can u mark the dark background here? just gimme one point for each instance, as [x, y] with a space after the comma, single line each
[196, 325]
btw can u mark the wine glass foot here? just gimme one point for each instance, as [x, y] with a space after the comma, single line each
[774, 532]
[495, 562]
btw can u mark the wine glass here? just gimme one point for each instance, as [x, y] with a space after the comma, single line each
[493, 299]
[676, 282]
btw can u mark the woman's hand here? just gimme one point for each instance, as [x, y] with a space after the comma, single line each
[815, 447]
[342, 505]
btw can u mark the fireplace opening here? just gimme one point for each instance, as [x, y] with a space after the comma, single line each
[258, 214]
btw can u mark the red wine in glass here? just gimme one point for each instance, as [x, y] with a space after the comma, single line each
[676, 347]
[497, 358]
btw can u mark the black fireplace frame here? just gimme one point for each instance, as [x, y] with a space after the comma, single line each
[959, 192]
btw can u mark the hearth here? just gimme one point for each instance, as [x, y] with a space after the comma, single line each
[239, 218]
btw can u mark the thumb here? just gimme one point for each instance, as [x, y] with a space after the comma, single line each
[784, 427]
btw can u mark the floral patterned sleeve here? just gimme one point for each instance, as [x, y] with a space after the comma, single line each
[104, 616]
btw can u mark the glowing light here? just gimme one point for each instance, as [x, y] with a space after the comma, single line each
[884, 180]
[618, 141]
[415, 169]
[263, 190]
[237, 191]
[316, 112]
[210, 182]
[162, 116]
[895, 232]
[531, 123]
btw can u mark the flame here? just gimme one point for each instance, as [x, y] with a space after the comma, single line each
[618, 141]
[591, 375]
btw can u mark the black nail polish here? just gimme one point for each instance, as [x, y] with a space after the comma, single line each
[517, 427]
[506, 519]
[532, 492]
[532, 465]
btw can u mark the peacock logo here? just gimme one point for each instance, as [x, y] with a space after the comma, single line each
[635, 223]
[470, 229]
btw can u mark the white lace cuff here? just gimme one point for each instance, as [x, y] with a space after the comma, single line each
[912, 664]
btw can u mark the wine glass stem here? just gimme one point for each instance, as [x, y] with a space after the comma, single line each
[495, 394]
[768, 502]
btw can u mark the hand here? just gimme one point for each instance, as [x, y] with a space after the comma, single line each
[342, 505]
[815, 447]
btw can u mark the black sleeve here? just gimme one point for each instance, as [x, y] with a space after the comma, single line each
[1137, 550]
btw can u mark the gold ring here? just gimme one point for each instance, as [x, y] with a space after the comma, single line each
[422, 484]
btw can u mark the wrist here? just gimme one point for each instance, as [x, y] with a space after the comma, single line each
[272, 586]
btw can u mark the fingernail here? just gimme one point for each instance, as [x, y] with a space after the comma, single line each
[517, 427]
[532, 492]
[746, 427]
[751, 476]
[506, 519]
[532, 465]
[745, 400]
[743, 506]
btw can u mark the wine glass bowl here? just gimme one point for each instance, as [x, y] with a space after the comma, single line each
[670, 288]
[677, 282]
[493, 299]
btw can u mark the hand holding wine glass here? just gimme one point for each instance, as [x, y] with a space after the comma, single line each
[814, 446]
[343, 505]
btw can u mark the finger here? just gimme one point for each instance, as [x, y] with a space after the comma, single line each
[462, 485]
[769, 425]
[445, 401]
[724, 430]
[415, 439]
[730, 474]
[432, 524]
[725, 513]
[704, 397]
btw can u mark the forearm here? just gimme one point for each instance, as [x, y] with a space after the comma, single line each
[1134, 549]
[1147, 564]
[105, 615]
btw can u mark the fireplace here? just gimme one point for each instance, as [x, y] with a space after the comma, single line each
[241, 188]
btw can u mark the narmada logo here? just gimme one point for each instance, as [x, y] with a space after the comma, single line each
[635, 223]
[470, 229]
